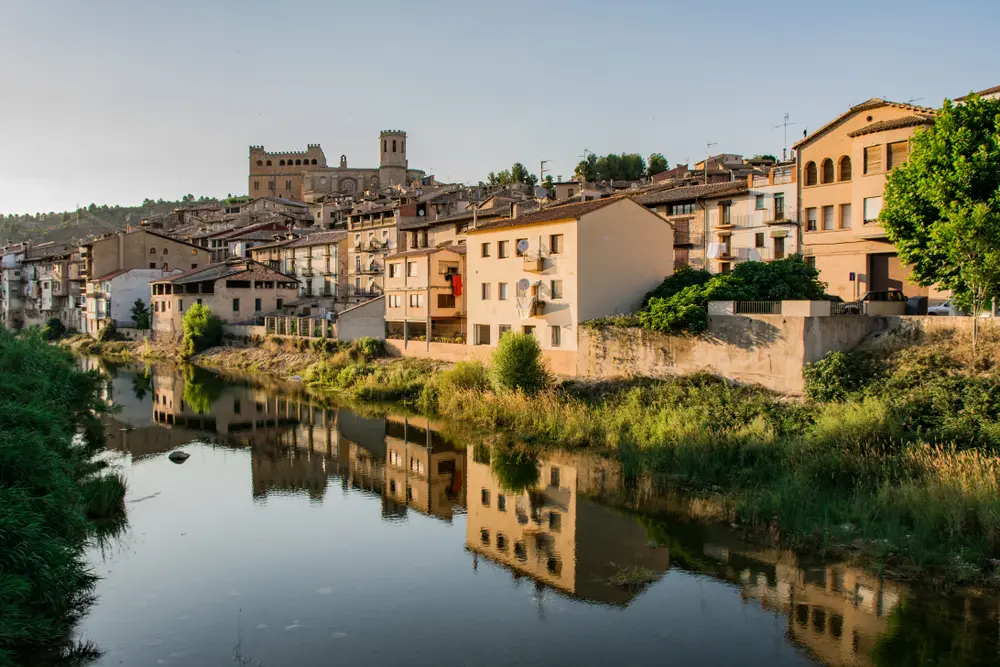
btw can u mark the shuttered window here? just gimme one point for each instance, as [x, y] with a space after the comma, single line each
[873, 159]
[873, 206]
[898, 151]
[828, 222]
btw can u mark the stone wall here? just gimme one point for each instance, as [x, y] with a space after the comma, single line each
[364, 320]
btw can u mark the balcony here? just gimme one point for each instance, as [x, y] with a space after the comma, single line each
[533, 264]
[537, 307]
[307, 273]
[374, 269]
[683, 238]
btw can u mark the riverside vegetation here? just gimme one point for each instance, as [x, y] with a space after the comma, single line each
[54, 495]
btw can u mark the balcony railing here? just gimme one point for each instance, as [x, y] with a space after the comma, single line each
[757, 308]
[374, 269]
[533, 263]
[689, 238]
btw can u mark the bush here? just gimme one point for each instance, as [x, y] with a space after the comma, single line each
[836, 376]
[518, 365]
[367, 349]
[470, 375]
[108, 333]
[54, 329]
[202, 330]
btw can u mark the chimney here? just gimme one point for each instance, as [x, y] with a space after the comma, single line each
[513, 209]
[750, 180]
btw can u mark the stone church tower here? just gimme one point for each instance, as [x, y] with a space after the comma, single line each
[393, 164]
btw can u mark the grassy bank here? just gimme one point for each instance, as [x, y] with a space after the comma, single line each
[52, 491]
[893, 460]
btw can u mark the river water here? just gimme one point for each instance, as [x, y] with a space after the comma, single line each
[299, 533]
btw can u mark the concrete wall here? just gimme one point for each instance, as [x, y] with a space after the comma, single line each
[366, 319]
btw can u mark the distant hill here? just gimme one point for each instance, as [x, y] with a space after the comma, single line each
[72, 226]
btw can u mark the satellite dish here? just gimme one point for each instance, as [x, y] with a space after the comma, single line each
[541, 193]
[523, 284]
[522, 245]
[420, 213]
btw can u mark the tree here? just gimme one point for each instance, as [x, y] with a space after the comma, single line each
[942, 207]
[518, 365]
[202, 330]
[764, 156]
[549, 185]
[614, 166]
[140, 314]
[657, 164]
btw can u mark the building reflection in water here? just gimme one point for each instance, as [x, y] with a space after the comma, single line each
[573, 528]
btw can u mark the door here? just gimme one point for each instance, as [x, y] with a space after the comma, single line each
[779, 247]
[878, 272]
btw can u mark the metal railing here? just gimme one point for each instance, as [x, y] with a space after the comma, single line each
[689, 238]
[847, 308]
[757, 308]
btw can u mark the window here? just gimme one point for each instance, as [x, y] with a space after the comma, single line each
[152, 251]
[180, 305]
[484, 497]
[873, 159]
[811, 261]
[277, 303]
[288, 185]
[555, 336]
[725, 268]
[411, 269]
[682, 209]
[165, 251]
[256, 185]
[873, 206]
[393, 270]
[502, 249]
[486, 250]
[811, 219]
[898, 150]
[394, 301]
[556, 244]
[446, 300]
[828, 222]
[555, 522]
[256, 305]
[528, 329]
[518, 245]
[725, 213]
[482, 334]
[152, 265]
[828, 170]
[502, 291]
[554, 478]
[520, 551]
[811, 173]
[779, 247]
[759, 202]
[236, 305]
[845, 168]
[393, 145]
[503, 329]
[758, 241]
[501, 542]
[779, 206]
[555, 287]
[486, 292]
[845, 216]
[501, 502]
[194, 266]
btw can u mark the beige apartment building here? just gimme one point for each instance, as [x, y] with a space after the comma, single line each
[235, 291]
[423, 470]
[138, 249]
[319, 262]
[372, 236]
[547, 271]
[842, 170]
[424, 295]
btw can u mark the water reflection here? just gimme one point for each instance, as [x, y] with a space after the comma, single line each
[564, 522]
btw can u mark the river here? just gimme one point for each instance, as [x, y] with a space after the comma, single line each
[300, 533]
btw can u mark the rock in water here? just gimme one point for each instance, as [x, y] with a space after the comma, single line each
[179, 456]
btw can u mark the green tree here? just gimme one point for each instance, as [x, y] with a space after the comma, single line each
[613, 166]
[549, 185]
[518, 365]
[140, 314]
[942, 207]
[515, 470]
[202, 330]
[657, 164]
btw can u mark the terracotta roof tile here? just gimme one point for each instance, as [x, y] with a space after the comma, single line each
[318, 238]
[987, 91]
[550, 214]
[691, 192]
[892, 124]
[872, 103]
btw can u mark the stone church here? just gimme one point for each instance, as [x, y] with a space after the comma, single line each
[304, 175]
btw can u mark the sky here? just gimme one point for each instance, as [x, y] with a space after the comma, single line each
[113, 101]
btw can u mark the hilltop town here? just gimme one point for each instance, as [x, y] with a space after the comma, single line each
[465, 263]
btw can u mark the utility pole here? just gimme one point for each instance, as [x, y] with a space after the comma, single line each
[708, 147]
[784, 146]
[541, 172]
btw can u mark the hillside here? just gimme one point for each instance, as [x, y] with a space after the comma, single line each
[76, 225]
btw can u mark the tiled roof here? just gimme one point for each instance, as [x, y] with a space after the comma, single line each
[988, 91]
[682, 193]
[550, 214]
[873, 103]
[276, 244]
[460, 249]
[318, 238]
[500, 212]
[892, 124]
[219, 270]
[113, 274]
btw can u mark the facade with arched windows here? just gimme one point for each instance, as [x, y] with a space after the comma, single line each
[305, 175]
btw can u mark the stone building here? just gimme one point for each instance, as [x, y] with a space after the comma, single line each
[305, 175]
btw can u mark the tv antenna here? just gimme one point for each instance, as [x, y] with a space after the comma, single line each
[913, 99]
[708, 147]
[784, 147]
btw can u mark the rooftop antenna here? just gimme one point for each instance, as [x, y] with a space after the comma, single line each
[542, 170]
[708, 147]
[913, 99]
[784, 146]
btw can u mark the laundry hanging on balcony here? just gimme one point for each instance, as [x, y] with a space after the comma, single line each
[456, 284]
[715, 250]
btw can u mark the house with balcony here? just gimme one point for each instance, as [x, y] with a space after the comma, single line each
[423, 470]
[109, 298]
[12, 282]
[236, 291]
[319, 262]
[842, 169]
[544, 272]
[372, 235]
[424, 294]
[48, 291]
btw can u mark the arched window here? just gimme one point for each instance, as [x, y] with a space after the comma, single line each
[260, 163]
[402, 148]
[811, 173]
[314, 161]
[845, 168]
[393, 145]
[281, 163]
[828, 170]
[268, 163]
[152, 251]
[298, 162]
[385, 145]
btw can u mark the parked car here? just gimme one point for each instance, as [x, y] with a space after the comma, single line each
[858, 307]
[944, 309]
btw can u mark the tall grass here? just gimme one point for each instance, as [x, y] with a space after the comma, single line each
[49, 495]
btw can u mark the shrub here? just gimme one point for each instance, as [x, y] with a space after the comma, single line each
[367, 349]
[515, 470]
[324, 346]
[202, 330]
[108, 333]
[518, 365]
[54, 329]
[465, 375]
[836, 376]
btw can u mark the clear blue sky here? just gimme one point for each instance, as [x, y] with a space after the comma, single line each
[111, 101]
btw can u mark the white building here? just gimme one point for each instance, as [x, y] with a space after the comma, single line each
[110, 297]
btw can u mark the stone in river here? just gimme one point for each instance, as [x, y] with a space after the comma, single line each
[179, 456]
